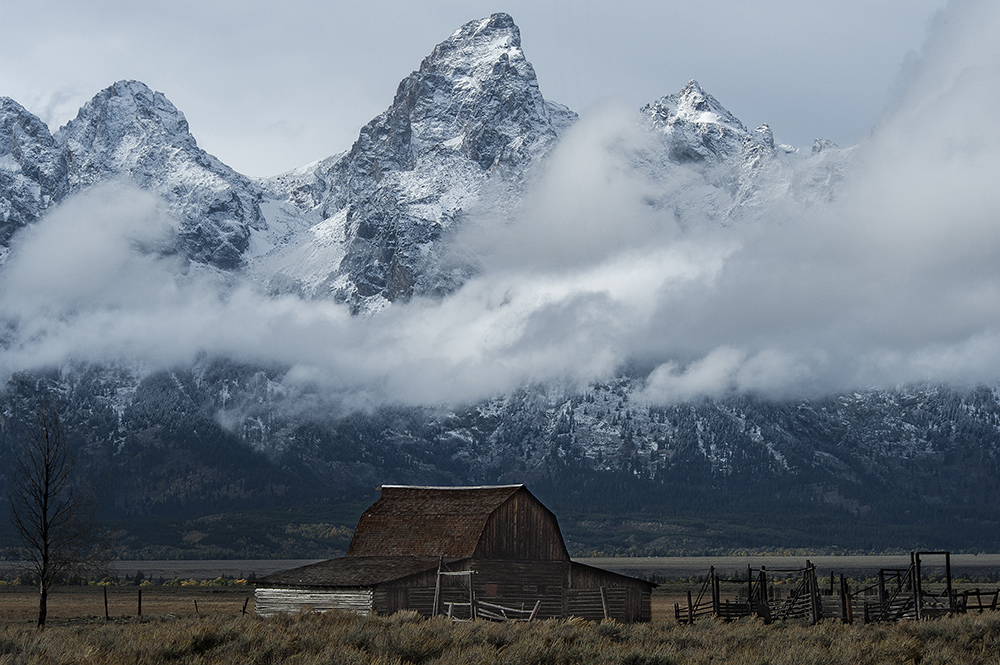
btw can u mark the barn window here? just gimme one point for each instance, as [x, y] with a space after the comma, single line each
[491, 589]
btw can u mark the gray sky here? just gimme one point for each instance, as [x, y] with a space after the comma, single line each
[268, 87]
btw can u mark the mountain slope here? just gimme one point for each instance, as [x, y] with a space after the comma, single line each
[32, 169]
[127, 130]
[462, 134]
[464, 139]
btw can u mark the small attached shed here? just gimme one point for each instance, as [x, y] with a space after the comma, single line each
[463, 551]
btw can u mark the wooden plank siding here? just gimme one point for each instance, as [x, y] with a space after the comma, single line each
[521, 528]
[520, 583]
[624, 604]
[272, 601]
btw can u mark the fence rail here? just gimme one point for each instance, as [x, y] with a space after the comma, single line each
[899, 594]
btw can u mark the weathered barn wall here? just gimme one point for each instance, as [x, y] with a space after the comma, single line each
[521, 528]
[268, 601]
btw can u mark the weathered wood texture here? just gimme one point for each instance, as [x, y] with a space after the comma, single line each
[521, 528]
[623, 604]
[272, 601]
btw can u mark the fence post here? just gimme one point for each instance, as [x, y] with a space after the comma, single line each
[882, 596]
[690, 607]
[437, 590]
[843, 599]
[140, 602]
[813, 586]
[947, 575]
[715, 591]
[245, 601]
[107, 616]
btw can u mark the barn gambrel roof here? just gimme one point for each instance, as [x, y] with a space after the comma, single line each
[428, 521]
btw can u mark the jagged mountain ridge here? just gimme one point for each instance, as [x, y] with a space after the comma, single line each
[465, 135]
[129, 132]
[462, 133]
[32, 169]
[465, 132]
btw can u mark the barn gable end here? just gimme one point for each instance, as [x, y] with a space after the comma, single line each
[522, 528]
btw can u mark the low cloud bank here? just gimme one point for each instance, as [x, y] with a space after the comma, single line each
[896, 280]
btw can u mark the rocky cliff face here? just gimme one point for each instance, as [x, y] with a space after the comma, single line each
[32, 169]
[130, 131]
[463, 131]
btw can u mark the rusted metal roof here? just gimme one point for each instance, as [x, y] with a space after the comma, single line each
[427, 521]
[354, 571]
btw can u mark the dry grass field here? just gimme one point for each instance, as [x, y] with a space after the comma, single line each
[173, 629]
[75, 604]
[170, 631]
[336, 638]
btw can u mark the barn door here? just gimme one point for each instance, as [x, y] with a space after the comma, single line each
[633, 604]
[395, 600]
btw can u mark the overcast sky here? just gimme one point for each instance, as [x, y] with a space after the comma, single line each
[268, 86]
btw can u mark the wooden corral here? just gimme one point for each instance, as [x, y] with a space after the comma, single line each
[465, 552]
[898, 594]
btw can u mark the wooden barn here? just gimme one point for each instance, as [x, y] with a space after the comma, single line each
[466, 552]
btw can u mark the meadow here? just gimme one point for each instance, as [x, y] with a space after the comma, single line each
[203, 621]
[335, 638]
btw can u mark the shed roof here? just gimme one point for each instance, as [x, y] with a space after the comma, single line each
[427, 521]
[355, 571]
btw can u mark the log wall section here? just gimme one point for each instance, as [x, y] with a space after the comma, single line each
[268, 601]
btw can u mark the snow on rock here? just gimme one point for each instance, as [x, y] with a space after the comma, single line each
[129, 130]
[470, 120]
[32, 169]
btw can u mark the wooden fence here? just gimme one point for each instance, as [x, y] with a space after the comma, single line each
[899, 594]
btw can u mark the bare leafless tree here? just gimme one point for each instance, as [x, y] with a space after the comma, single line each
[50, 512]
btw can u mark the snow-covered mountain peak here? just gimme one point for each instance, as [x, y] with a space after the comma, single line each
[475, 93]
[823, 145]
[698, 126]
[478, 45]
[693, 105]
[128, 130]
[470, 120]
[764, 136]
[122, 118]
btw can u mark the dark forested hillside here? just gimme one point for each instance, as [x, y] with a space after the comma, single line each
[216, 454]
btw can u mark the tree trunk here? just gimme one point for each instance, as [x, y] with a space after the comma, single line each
[43, 597]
